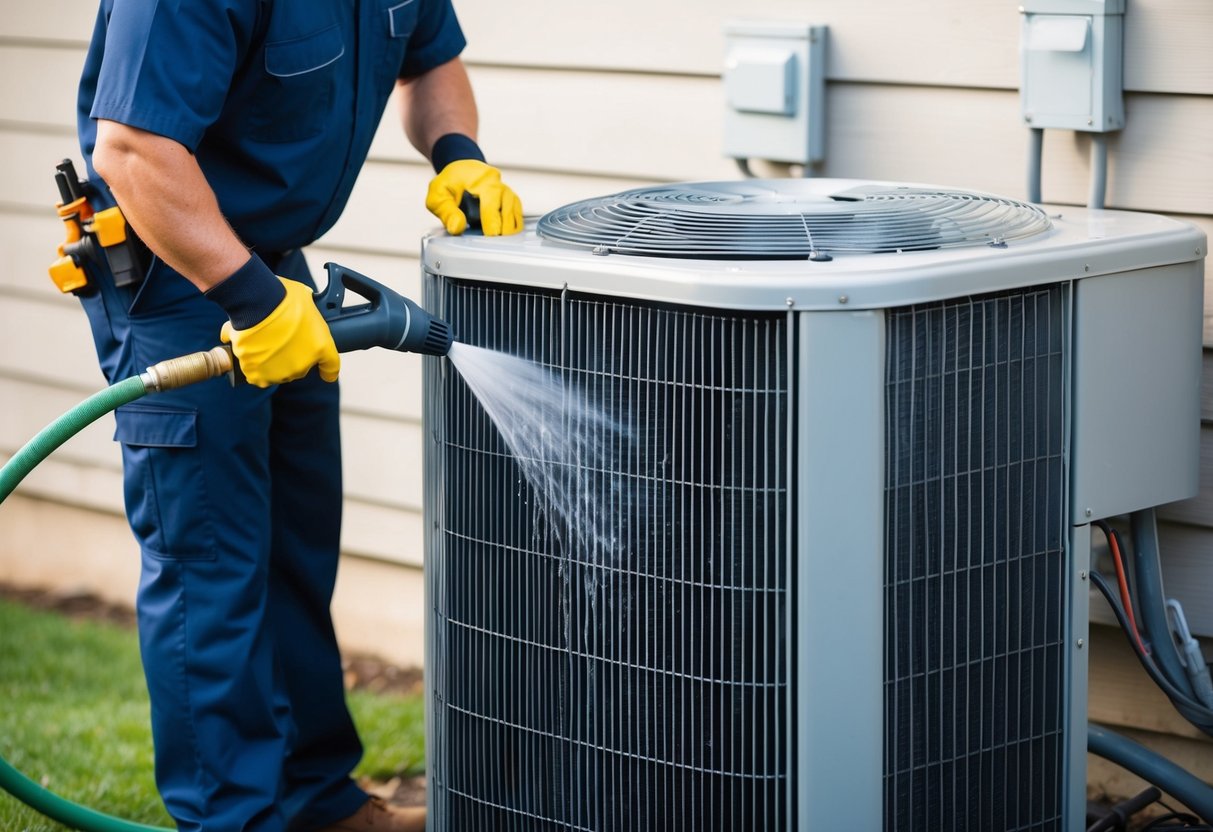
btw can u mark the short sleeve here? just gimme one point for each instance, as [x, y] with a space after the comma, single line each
[437, 39]
[168, 64]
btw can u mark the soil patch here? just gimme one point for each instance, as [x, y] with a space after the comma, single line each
[75, 605]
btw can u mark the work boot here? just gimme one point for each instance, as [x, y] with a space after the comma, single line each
[377, 816]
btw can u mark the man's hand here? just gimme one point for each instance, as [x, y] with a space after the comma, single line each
[276, 332]
[439, 116]
[500, 208]
[287, 343]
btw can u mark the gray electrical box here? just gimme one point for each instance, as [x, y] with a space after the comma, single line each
[774, 85]
[1071, 64]
[1136, 389]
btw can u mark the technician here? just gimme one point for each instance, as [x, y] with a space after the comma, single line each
[230, 132]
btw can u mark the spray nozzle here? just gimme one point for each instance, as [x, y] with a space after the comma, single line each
[388, 319]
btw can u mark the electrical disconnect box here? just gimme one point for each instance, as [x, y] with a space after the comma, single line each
[774, 84]
[1070, 63]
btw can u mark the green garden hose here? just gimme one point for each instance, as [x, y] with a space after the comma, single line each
[166, 375]
[64, 428]
[72, 815]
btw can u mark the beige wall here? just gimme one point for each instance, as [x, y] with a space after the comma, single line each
[576, 104]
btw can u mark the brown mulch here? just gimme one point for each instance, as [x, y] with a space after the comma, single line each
[77, 606]
[362, 672]
[369, 673]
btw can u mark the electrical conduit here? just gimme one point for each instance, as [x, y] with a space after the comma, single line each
[1147, 570]
[1153, 768]
[1036, 144]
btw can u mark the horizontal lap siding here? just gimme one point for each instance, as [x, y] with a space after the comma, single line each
[576, 105]
[964, 43]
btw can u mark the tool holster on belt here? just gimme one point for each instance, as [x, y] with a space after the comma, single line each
[93, 236]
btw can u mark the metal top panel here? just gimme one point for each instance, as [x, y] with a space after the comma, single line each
[1080, 244]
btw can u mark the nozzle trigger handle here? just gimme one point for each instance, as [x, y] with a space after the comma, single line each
[383, 321]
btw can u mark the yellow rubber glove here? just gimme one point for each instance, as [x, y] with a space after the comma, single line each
[287, 343]
[500, 207]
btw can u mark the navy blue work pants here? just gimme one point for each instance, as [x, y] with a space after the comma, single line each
[234, 495]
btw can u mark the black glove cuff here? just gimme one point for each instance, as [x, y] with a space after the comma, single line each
[451, 148]
[249, 294]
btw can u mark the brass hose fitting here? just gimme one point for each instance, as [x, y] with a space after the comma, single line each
[188, 369]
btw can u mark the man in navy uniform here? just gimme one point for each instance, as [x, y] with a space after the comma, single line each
[230, 133]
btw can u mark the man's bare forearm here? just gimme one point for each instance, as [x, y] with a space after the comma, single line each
[167, 200]
[437, 103]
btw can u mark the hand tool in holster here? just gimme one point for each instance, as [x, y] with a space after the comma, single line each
[97, 237]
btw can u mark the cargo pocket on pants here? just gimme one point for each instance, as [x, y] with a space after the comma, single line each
[165, 482]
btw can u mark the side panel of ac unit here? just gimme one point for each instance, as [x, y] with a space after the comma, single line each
[937, 576]
[978, 570]
[643, 685]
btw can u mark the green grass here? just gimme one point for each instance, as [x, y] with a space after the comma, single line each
[74, 717]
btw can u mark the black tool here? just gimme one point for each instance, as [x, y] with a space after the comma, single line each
[387, 319]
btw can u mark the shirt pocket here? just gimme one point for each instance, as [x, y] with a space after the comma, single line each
[296, 97]
[399, 21]
[167, 501]
[402, 19]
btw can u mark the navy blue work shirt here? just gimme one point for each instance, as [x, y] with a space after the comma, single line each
[277, 99]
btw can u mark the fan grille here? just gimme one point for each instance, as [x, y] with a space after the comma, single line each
[786, 220]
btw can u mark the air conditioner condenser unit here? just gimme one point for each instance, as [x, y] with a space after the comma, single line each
[843, 584]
